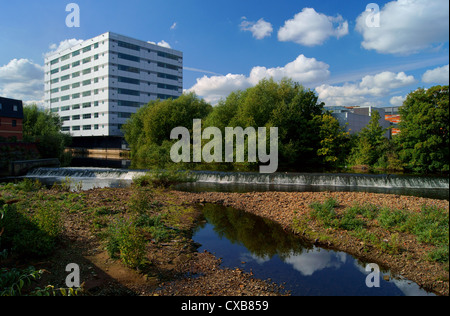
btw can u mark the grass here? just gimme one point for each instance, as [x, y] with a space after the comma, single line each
[430, 226]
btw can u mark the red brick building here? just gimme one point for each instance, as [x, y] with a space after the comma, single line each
[11, 119]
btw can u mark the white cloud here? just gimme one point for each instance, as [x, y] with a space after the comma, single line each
[22, 79]
[397, 100]
[438, 75]
[304, 70]
[68, 43]
[406, 27]
[365, 92]
[259, 29]
[174, 26]
[162, 43]
[311, 28]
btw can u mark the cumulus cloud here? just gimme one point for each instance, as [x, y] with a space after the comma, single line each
[311, 28]
[406, 27]
[438, 75]
[259, 29]
[304, 70]
[162, 43]
[351, 94]
[68, 43]
[397, 100]
[22, 79]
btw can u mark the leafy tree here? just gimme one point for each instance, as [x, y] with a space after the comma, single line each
[424, 136]
[335, 141]
[148, 131]
[44, 128]
[369, 143]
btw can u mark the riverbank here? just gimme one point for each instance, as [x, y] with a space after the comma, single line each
[407, 257]
[171, 264]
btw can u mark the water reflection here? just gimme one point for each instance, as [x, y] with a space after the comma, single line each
[263, 247]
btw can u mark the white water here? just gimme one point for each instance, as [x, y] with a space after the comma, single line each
[294, 179]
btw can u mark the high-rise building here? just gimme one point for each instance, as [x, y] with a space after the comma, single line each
[97, 85]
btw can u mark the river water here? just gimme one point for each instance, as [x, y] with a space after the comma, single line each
[262, 247]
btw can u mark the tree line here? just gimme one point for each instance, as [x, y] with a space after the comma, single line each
[310, 138]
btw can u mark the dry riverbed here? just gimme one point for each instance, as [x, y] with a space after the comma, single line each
[175, 267]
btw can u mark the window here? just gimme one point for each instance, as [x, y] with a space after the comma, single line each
[76, 53]
[14, 123]
[65, 57]
[54, 110]
[75, 117]
[129, 57]
[86, 93]
[65, 108]
[65, 129]
[86, 105]
[1, 107]
[76, 74]
[56, 80]
[129, 46]
[67, 77]
[54, 71]
[65, 118]
[15, 108]
[87, 127]
[168, 66]
[167, 86]
[95, 115]
[76, 85]
[167, 55]
[65, 98]
[75, 128]
[129, 69]
[129, 80]
[86, 49]
[166, 76]
[65, 67]
[55, 90]
[124, 115]
[129, 92]
[96, 126]
[54, 61]
[75, 64]
[64, 88]
[96, 45]
[86, 82]
[75, 96]
[87, 71]
[75, 107]
[87, 116]
[86, 60]
[129, 103]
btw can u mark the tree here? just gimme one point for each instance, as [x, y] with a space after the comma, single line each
[44, 128]
[424, 130]
[335, 141]
[369, 143]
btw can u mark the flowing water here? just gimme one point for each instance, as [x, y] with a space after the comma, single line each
[262, 247]
[430, 187]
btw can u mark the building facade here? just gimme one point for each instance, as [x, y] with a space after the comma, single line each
[354, 119]
[97, 85]
[11, 119]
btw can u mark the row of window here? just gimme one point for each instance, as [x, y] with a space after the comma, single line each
[88, 127]
[74, 64]
[138, 49]
[73, 54]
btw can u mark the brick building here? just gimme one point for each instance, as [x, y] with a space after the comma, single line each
[11, 119]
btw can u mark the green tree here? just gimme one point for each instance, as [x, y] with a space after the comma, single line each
[424, 130]
[369, 143]
[44, 128]
[148, 131]
[335, 141]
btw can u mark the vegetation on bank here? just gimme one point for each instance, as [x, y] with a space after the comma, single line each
[310, 138]
[381, 228]
[32, 218]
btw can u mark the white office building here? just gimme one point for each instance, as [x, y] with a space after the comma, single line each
[97, 85]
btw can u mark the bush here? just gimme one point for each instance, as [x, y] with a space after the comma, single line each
[127, 242]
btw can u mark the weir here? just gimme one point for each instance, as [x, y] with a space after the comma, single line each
[288, 179]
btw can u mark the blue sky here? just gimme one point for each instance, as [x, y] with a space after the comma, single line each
[325, 45]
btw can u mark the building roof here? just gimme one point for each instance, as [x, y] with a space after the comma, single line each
[11, 108]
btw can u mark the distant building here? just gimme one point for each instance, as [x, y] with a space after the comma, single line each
[11, 119]
[98, 84]
[392, 115]
[354, 119]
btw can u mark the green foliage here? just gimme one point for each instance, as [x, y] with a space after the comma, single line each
[424, 137]
[44, 128]
[13, 281]
[164, 178]
[127, 242]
